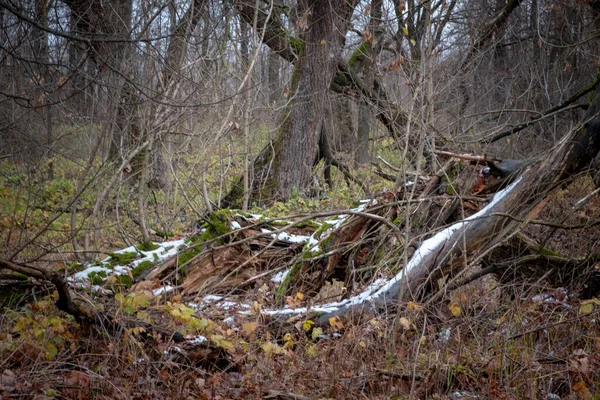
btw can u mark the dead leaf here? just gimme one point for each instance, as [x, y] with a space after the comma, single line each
[405, 324]
[581, 389]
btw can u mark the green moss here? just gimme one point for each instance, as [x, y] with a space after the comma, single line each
[289, 278]
[147, 246]
[548, 252]
[141, 267]
[124, 281]
[18, 276]
[311, 254]
[218, 224]
[359, 54]
[122, 258]
[219, 221]
[97, 277]
[451, 189]
[280, 223]
[325, 244]
[188, 254]
[297, 44]
[322, 228]
[164, 234]
[309, 224]
[75, 267]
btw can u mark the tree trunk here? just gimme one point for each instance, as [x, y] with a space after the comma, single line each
[273, 77]
[285, 167]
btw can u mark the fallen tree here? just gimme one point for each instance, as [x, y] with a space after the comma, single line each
[484, 237]
[237, 250]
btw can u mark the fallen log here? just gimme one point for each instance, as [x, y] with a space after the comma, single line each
[452, 248]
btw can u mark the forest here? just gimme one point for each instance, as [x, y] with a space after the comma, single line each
[300, 200]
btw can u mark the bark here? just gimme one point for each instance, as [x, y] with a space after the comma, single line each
[313, 74]
[273, 77]
[346, 81]
[285, 166]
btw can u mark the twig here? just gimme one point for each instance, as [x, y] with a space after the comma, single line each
[547, 113]
[470, 157]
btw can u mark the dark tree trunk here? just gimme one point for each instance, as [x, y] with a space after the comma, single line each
[285, 167]
[299, 137]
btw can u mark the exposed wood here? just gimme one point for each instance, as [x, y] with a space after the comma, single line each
[470, 157]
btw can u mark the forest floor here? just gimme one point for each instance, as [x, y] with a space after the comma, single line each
[163, 339]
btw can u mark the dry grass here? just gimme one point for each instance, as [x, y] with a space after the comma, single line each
[498, 347]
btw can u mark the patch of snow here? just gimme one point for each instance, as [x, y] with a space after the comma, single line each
[235, 225]
[198, 339]
[445, 334]
[211, 298]
[83, 275]
[460, 395]
[436, 240]
[280, 276]
[330, 307]
[130, 249]
[229, 321]
[161, 290]
[163, 251]
[288, 237]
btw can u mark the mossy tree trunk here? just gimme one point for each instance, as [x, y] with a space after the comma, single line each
[285, 166]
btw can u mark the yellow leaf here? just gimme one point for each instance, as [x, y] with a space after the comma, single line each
[51, 351]
[288, 341]
[223, 343]
[362, 344]
[336, 323]
[412, 306]
[586, 308]
[323, 42]
[249, 327]
[299, 297]
[311, 351]
[316, 332]
[455, 309]
[307, 325]
[413, 42]
[405, 30]
[423, 340]
[267, 348]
